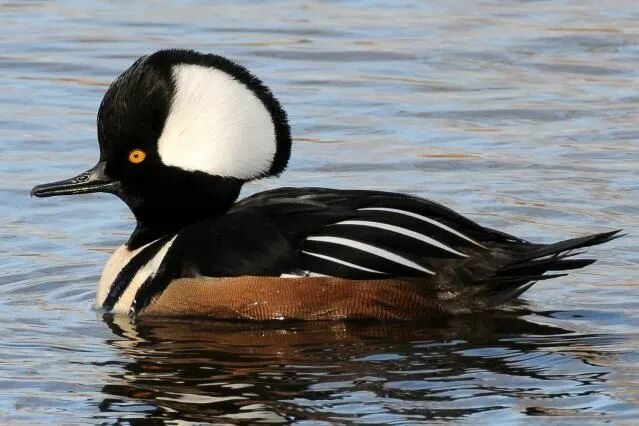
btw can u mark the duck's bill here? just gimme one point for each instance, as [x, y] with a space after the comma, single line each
[93, 180]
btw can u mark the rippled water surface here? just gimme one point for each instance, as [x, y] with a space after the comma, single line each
[522, 115]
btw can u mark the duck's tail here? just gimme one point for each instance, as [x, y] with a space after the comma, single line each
[513, 279]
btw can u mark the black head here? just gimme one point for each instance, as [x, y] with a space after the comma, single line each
[179, 134]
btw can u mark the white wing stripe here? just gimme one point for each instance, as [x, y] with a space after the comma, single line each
[342, 262]
[403, 231]
[305, 274]
[425, 219]
[372, 250]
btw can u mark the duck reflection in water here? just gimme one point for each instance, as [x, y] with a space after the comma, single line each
[202, 370]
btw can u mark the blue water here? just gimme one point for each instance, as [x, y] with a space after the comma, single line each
[522, 115]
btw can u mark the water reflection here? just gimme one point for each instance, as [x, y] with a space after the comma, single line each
[520, 114]
[201, 370]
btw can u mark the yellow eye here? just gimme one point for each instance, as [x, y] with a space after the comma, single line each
[137, 156]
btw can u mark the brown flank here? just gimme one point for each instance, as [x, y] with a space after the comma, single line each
[310, 298]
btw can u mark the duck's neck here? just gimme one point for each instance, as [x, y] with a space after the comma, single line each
[146, 232]
[173, 211]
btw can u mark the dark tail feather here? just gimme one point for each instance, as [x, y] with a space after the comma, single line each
[572, 244]
[518, 276]
[539, 266]
[512, 293]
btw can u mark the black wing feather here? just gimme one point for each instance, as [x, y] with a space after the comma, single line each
[302, 231]
[363, 259]
[303, 213]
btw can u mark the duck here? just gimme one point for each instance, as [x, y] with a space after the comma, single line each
[180, 132]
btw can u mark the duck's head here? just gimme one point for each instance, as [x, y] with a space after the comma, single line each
[180, 132]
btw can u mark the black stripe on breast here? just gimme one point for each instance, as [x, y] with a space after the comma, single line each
[158, 282]
[127, 273]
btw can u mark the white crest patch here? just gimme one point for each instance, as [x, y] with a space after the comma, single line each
[216, 125]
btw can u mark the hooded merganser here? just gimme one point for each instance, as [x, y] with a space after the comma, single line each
[180, 132]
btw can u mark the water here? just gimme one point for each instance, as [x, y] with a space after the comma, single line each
[522, 115]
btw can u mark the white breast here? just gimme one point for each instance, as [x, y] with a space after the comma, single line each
[125, 302]
[120, 258]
